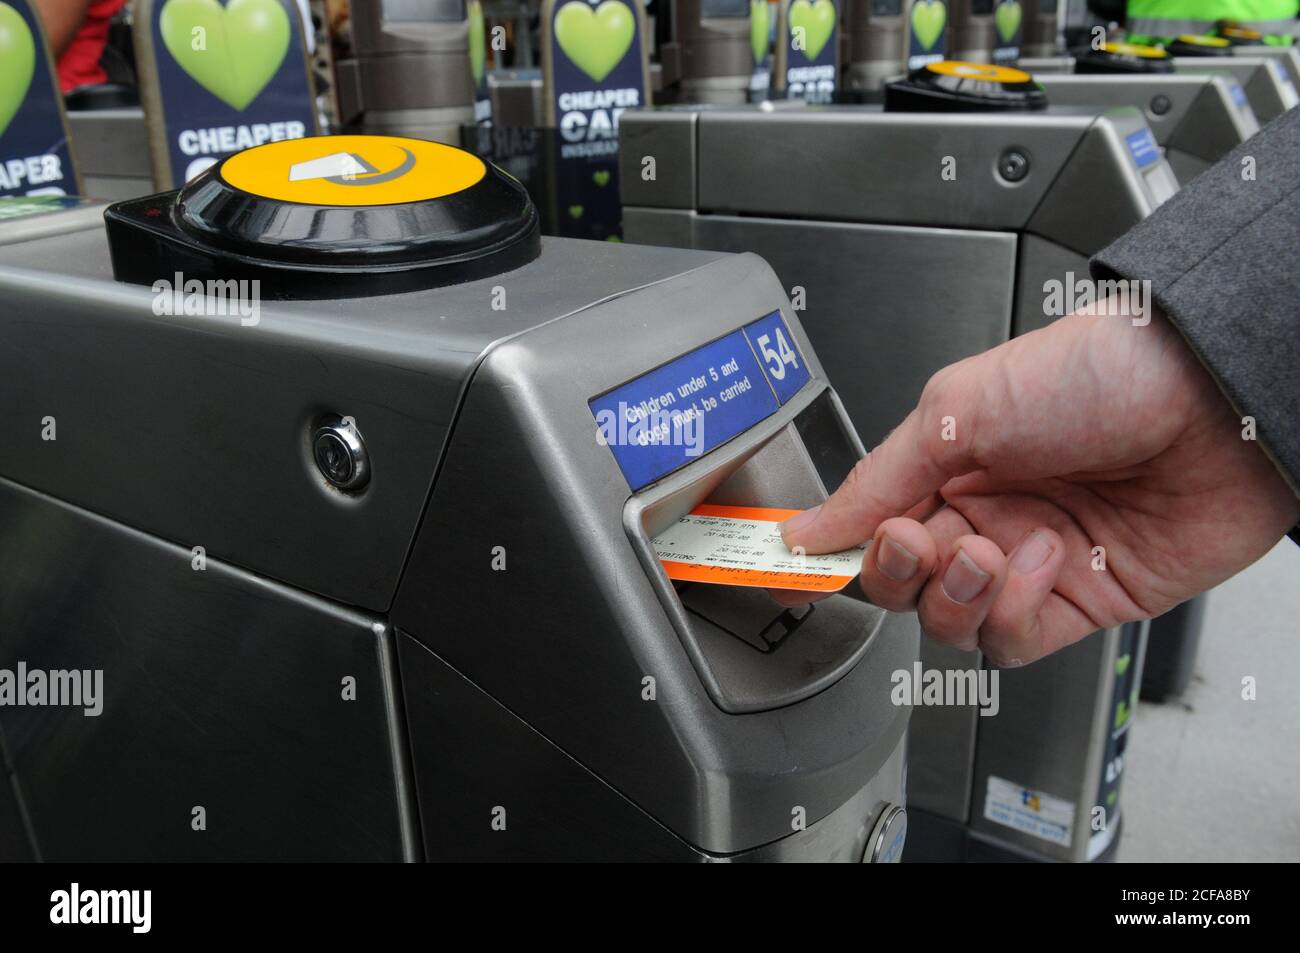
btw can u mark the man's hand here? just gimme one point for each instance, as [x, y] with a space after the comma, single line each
[1092, 473]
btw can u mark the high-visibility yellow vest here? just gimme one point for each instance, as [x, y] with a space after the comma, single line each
[1158, 21]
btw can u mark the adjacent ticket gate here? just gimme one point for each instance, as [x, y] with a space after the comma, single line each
[411, 72]
[115, 147]
[885, 249]
[974, 33]
[708, 49]
[1264, 82]
[366, 574]
[877, 45]
[1041, 28]
[1264, 86]
[1196, 118]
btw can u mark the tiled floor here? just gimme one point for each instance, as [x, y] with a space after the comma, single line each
[1211, 776]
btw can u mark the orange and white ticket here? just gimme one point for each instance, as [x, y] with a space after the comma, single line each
[742, 546]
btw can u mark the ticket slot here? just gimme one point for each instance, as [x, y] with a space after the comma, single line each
[752, 653]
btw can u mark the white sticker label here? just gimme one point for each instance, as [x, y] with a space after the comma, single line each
[1031, 812]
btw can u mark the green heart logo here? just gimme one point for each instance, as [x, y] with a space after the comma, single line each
[817, 20]
[1008, 20]
[601, 178]
[595, 40]
[231, 51]
[1122, 664]
[575, 211]
[758, 27]
[928, 20]
[477, 40]
[17, 63]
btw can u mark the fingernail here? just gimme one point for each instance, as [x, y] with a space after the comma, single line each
[895, 561]
[1033, 551]
[800, 520]
[964, 580]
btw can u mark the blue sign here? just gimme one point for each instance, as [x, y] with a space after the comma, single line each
[1142, 146]
[927, 23]
[680, 411]
[783, 366]
[34, 154]
[811, 50]
[228, 78]
[1280, 72]
[594, 67]
[1007, 17]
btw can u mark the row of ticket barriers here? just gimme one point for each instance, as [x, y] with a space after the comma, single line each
[357, 575]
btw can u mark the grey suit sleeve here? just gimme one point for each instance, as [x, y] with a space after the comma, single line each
[1223, 259]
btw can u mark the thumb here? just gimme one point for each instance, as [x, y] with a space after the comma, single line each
[909, 466]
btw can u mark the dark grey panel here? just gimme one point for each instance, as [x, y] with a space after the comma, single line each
[220, 690]
[471, 756]
[1175, 95]
[669, 137]
[1058, 711]
[886, 306]
[854, 164]
[1098, 194]
[112, 143]
[1216, 127]
[1041, 261]
[1186, 166]
[1264, 90]
[941, 743]
[15, 840]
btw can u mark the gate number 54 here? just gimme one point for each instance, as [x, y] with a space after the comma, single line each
[777, 359]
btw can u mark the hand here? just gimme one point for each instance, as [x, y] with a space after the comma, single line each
[1093, 432]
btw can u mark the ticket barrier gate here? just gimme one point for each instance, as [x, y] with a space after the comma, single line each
[974, 33]
[884, 251]
[1264, 82]
[114, 150]
[1267, 85]
[1288, 57]
[1196, 118]
[410, 73]
[877, 47]
[706, 50]
[369, 574]
[1041, 29]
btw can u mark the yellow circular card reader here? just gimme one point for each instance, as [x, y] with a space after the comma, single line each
[1188, 44]
[331, 216]
[958, 86]
[1114, 58]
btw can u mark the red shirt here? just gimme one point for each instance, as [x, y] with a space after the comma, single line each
[79, 64]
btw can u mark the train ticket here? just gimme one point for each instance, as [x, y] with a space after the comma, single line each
[742, 546]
